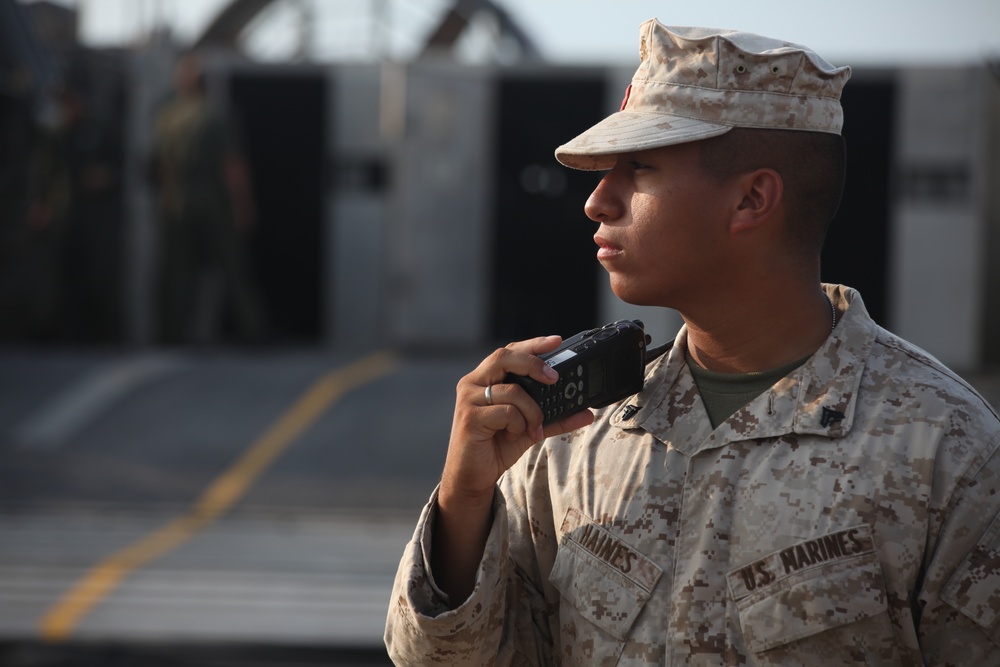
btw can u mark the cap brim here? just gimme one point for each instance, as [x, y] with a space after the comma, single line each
[625, 131]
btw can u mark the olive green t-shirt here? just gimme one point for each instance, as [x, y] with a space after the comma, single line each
[725, 393]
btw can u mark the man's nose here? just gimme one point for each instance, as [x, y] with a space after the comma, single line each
[604, 204]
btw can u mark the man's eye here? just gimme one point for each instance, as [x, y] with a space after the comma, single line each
[638, 165]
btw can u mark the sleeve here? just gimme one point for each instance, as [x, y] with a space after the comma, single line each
[503, 622]
[421, 628]
[960, 623]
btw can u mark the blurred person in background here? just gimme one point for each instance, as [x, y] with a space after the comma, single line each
[794, 485]
[74, 209]
[206, 213]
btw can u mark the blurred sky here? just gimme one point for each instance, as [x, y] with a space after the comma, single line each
[853, 32]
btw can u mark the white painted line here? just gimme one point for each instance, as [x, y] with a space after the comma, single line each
[69, 412]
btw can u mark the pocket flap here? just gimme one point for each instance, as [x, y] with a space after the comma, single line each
[824, 593]
[605, 579]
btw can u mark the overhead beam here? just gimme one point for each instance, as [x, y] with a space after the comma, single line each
[225, 29]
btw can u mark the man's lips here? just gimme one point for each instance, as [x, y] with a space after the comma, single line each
[606, 249]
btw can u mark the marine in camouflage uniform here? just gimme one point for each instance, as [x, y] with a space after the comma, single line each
[813, 527]
[205, 210]
[844, 515]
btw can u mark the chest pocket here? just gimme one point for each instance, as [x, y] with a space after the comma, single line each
[604, 584]
[820, 600]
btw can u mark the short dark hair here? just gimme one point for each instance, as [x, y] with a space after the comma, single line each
[811, 164]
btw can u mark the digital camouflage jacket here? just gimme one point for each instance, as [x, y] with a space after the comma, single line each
[846, 516]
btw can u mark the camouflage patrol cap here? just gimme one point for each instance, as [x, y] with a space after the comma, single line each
[696, 83]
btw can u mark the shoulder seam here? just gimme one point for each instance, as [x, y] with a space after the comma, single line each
[926, 359]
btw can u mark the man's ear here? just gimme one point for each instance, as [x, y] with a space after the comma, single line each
[762, 191]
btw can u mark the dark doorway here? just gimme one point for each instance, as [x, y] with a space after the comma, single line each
[545, 266]
[283, 121]
[857, 246]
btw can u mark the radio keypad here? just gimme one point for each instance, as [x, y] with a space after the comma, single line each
[567, 392]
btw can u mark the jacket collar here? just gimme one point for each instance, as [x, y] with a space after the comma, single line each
[818, 398]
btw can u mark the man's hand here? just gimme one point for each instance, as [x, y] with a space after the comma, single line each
[487, 438]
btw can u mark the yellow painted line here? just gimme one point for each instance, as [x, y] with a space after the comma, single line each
[220, 496]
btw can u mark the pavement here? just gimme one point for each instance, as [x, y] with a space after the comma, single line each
[217, 497]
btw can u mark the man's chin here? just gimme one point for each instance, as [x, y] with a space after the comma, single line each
[632, 295]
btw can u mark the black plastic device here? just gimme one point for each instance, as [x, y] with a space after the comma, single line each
[596, 368]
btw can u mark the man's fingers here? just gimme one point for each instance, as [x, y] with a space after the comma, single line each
[539, 345]
[507, 418]
[520, 358]
[536, 368]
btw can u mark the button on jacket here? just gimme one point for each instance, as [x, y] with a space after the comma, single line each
[846, 516]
